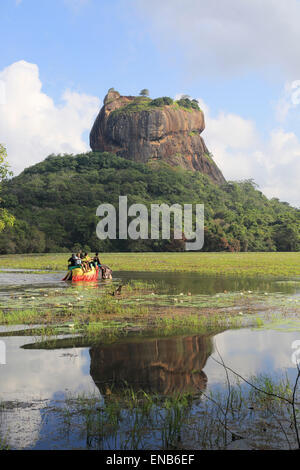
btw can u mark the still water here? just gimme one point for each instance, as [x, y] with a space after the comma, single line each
[38, 374]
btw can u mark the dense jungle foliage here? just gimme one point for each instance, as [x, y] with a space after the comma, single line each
[55, 204]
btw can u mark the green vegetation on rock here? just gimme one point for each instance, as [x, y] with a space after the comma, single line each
[144, 103]
[187, 103]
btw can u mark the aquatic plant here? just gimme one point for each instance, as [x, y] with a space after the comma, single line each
[4, 444]
[134, 419]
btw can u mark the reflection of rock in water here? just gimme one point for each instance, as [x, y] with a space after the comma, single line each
[164, 365]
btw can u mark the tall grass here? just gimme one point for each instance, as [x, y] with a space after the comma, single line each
[242, 264]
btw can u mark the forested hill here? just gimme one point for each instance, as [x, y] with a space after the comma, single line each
[55, 205]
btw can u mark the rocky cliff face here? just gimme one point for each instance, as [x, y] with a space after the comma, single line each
[133, 129]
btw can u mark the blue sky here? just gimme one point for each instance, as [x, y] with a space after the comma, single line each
[238, 58]
[100, 44]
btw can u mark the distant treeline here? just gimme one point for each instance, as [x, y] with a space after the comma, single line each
[55, 205]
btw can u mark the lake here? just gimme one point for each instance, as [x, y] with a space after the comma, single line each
[51, 387]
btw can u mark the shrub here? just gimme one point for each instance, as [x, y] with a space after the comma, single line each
[188, 104]
[163, 101]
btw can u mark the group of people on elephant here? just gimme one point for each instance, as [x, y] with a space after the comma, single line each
[84, 261]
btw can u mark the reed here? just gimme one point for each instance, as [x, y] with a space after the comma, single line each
[135, 419]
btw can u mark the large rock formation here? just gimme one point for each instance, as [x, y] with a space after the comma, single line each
[130, 127]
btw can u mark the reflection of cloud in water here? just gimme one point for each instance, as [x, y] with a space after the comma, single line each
[38, 375]
[20, 426]
[250, 352]
[163, 365]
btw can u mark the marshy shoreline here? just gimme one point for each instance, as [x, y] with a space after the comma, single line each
[153, 353]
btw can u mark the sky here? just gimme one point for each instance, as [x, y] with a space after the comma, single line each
[58, 58]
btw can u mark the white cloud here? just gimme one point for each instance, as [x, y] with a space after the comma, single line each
[35, 377]
[228, 36]
[231, 37]
[290, 100]
[32, 126]
[240, 152]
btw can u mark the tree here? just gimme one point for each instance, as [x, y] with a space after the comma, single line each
[287, 237]
[144, 92]
[4, 166]
[57, 198]
[6, 219]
